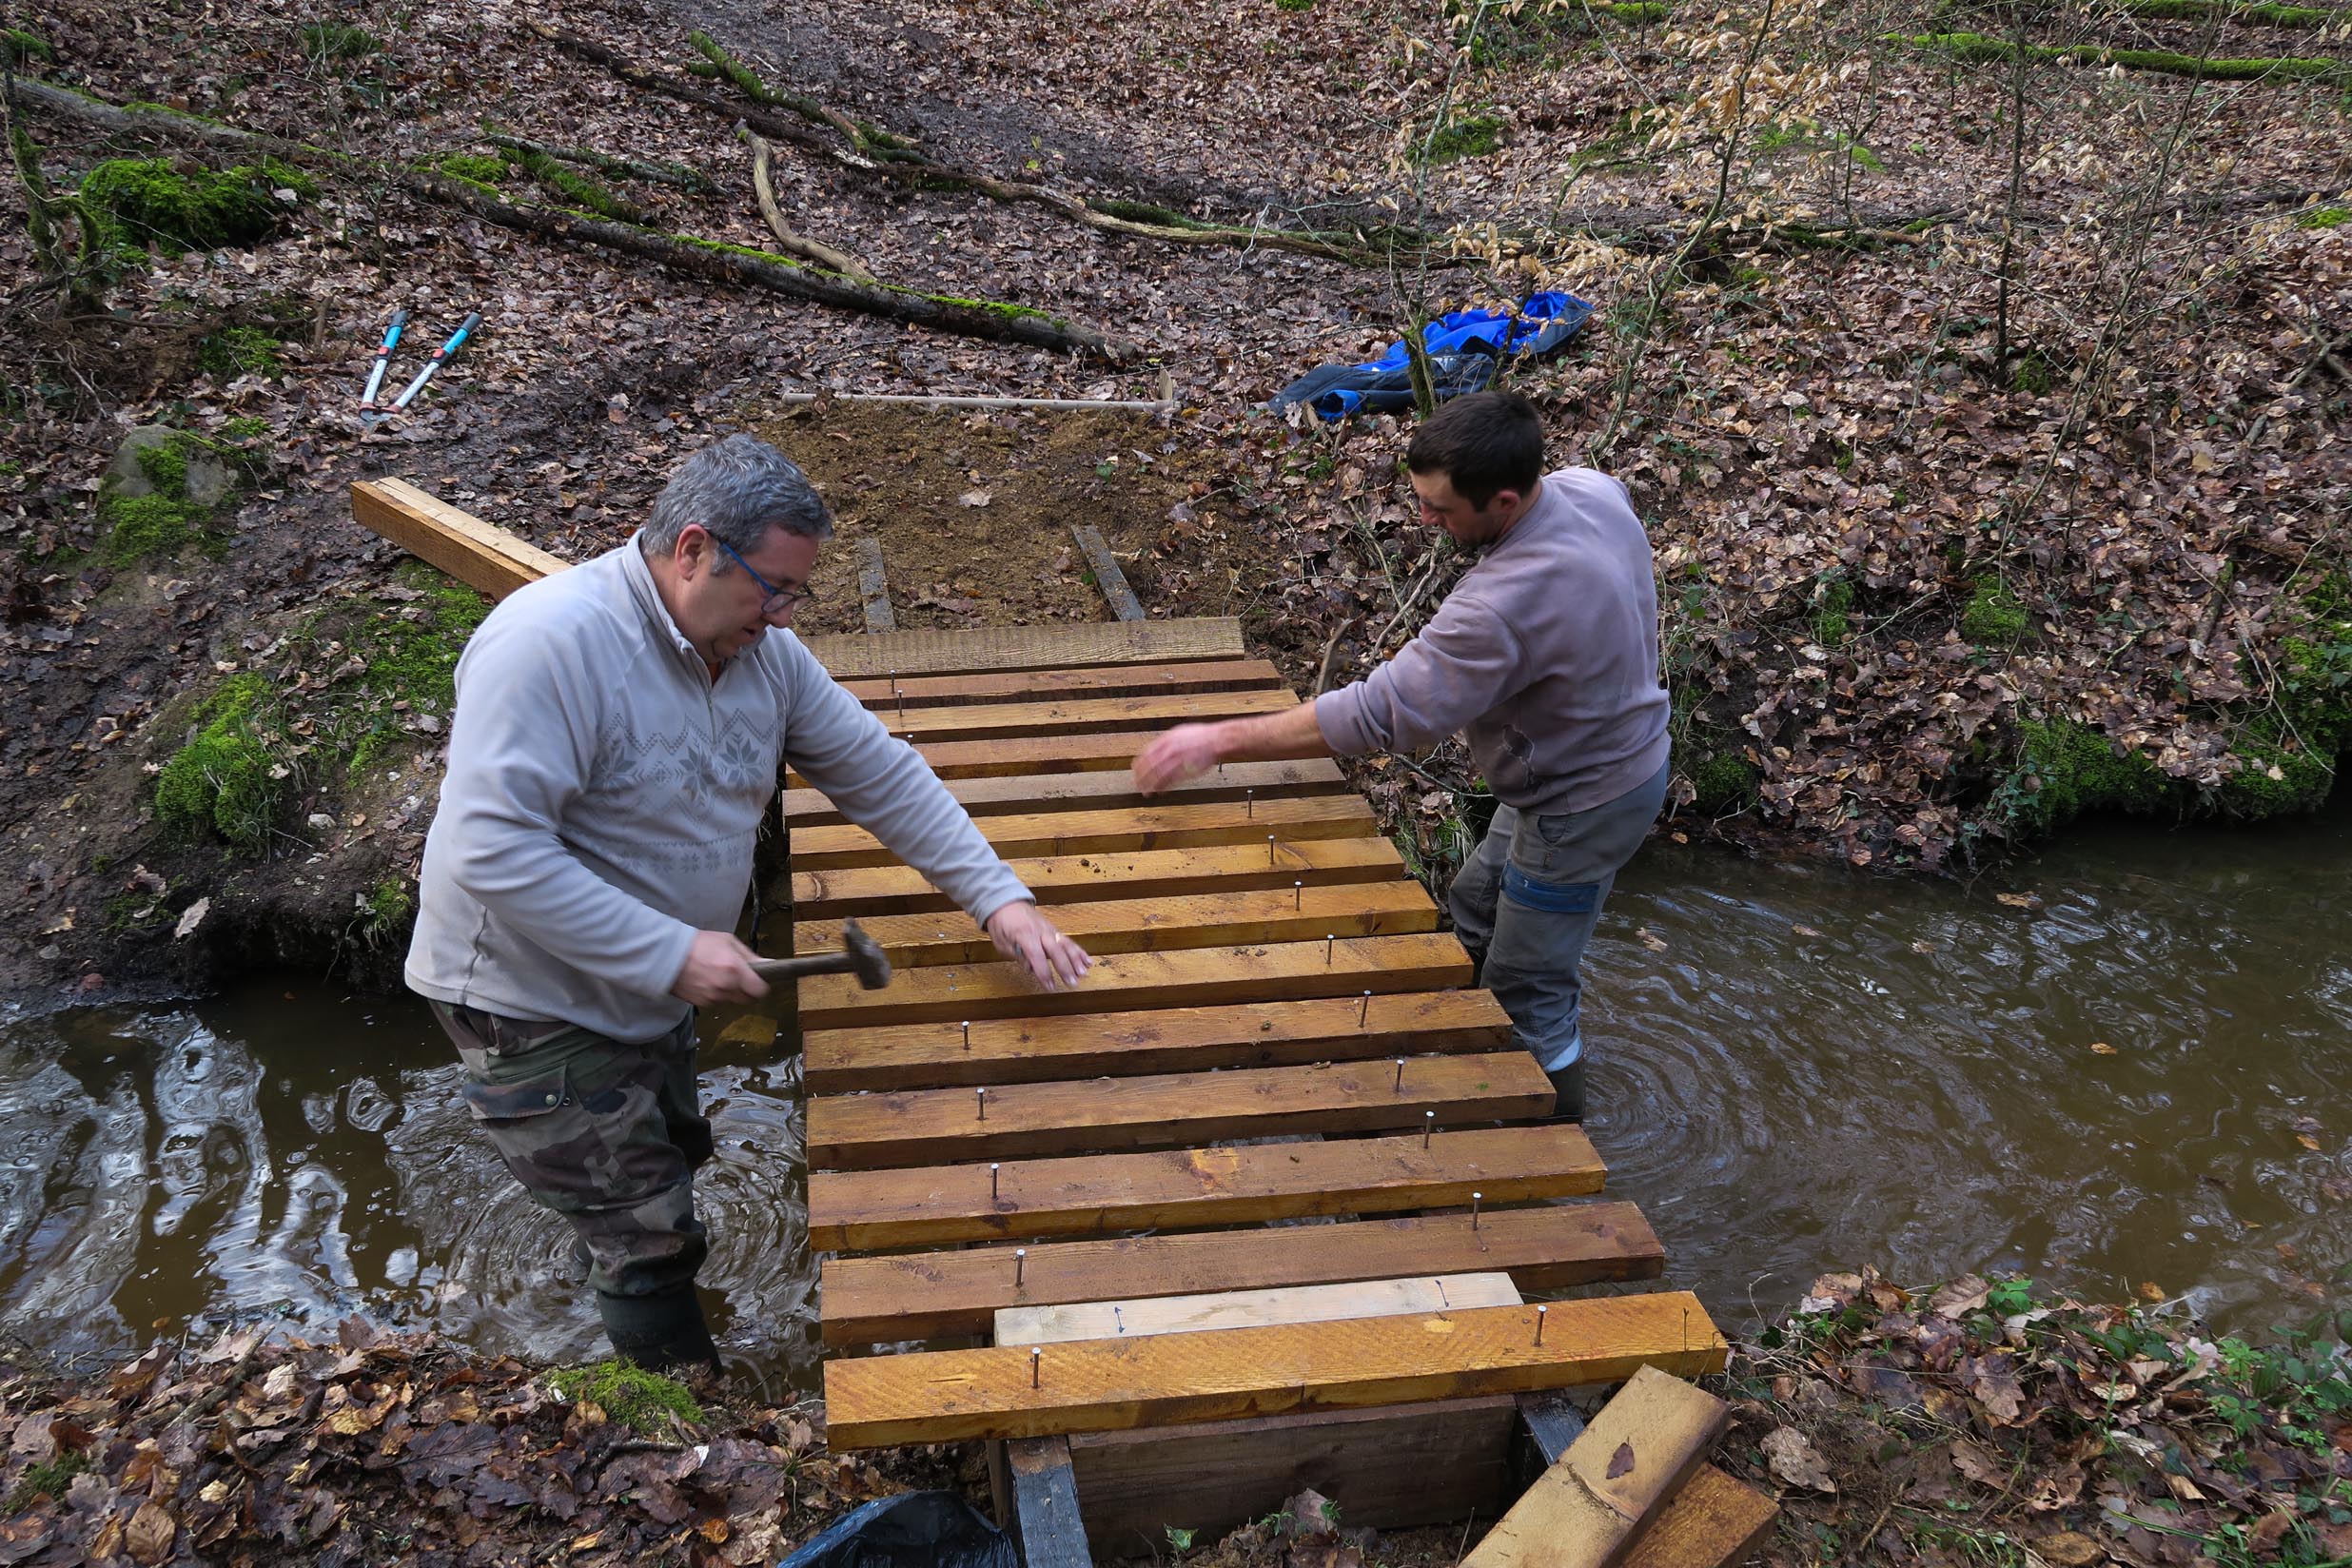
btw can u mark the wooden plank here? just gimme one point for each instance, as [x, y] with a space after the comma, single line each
[1110, 750]
[1220, 674]
[1078, 716]
[938, 1126]
[1247, 1308]
[1082, 792]
[1096, 1385]
[929, 1295]
[1202, 920]
[1050, 647]
[1268, 824]
[1588, 1509]
[873, 588]
[1108, 576]
[476, 553]
[871, 1210]
[1046, 1512]
[1715, 1521]
[1139, 873]
[1261, 1034]
[1393, 1469]
[1188, 977]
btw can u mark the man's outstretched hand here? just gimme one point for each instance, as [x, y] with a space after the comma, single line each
[1020, 932]
[1175, 756]
[717, 969]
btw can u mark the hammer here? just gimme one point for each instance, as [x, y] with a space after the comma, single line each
[861, 955]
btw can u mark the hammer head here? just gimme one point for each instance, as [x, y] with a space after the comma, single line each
[866, 960]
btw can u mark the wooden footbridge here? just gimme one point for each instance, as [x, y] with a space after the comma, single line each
[1256, 1206]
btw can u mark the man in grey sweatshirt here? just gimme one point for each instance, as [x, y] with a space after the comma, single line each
[619, 731]
[1546, 653]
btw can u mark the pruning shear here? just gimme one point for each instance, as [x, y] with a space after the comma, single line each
[383, 358]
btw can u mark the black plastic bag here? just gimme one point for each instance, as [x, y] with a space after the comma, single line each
[912, 1530]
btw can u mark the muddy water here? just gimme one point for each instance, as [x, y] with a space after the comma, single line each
[1797, 1070]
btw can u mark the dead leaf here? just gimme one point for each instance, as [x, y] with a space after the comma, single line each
[1979, 1463]
[192, 917]
[974, 497]
[149, 1534]
[1790, 1455]
[2020, 900]
[1621, 1463]
[2069, 1549]
[2100, 1048]
[2151, 1291]
[2308, 1141]
[1649, 940]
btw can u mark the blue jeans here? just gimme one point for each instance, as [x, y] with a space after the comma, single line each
[1528, 898]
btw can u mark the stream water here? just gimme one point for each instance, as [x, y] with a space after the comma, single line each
[2140, 1084]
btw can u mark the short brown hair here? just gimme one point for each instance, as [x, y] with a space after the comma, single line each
[1482, 443]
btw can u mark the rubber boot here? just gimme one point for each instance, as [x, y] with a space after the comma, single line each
[660, 1331]
[1567, 1091]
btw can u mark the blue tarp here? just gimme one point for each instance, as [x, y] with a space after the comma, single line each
[1464, 348]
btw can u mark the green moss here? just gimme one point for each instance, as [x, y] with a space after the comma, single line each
[244, 427]
[1994, 617]
[17, 46]
[165, 467]
[1294, 5]
[1978, 48]
[2326, 217]
[642, 1400]
[1637, 14]
[1723, 781]
[385, 913]
[2030, 373]
[482, 168]
[222, 779]
[143, 201]
[1832, 621]
[141, 526]
[338, 41]
[407, 665]
[1465, 136]
[2064, 769]
[48, 1478]
[2256, 11]
[586, 194]
[240, 351]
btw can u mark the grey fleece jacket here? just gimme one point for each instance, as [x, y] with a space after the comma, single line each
[1545, 653]
[603, 794]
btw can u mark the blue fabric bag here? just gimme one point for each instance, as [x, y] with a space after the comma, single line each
[1464, 347]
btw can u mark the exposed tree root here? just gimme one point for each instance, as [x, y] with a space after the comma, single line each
[763, 186]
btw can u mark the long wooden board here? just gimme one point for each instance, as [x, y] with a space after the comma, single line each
[1247, 1308]
[1075, 716]
[1202, 920]
[929, 1295]
[1268, 824]
[871, 1210]
[1715, 1521]
[1188, 977]
[864, 891]
[1088, 791]
[1047, 647]
[1110, 750]
[476, 553]
[1096, 1385]
[936, 1125]
[1218, 675]
[1257, 1034]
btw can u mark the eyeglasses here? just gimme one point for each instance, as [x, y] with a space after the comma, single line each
[779, 600]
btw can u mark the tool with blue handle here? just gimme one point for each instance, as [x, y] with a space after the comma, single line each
[383, 356]
[440, 357]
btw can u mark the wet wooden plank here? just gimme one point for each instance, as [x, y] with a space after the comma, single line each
[999, 796]
[887, 694]
[1108, 576]
[935, 1125]
[1188, 977]
[1250, 1308]
[1060, 646]
[1144, 925]
[1268, 824]
[865, 891]
[478, 554]
[1096, 1385]
[869, 1211]
[1076, 716]
[1252, 1035]
[931, 1295]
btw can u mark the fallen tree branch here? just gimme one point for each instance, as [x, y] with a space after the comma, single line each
[763, 186]
[698, 258]
[1975, 46]
[628, 169]
[718, 62]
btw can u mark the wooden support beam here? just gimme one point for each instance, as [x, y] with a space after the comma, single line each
[1085, 792]
[1220, 674]
[873, 589]
[932, 1295]
[1046, 1512]
[1202, 920]
[1588, 1509]
[1079, 716]
[1111, 750]
[1119, 1045]
[1715, 1521]
[474, 552]
[1050, 647]
[1267, 824]
[1108, 576]
[1098, 1386]
[1075, 878]
[1189, 977]
[937, 1125]
[872, 1210]
[1420, 1293]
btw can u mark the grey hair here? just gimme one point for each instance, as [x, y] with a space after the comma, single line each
[737, 488]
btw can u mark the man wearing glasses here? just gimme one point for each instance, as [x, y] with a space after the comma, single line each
[619, 731]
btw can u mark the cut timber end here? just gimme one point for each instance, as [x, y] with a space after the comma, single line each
[474, 552]
[1099, 1385]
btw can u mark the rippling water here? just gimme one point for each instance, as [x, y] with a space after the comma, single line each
[1796, 1070]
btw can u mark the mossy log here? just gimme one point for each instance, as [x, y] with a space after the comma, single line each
[1975, 46]
[604, 162]
[2254, 12]
[699, 257]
